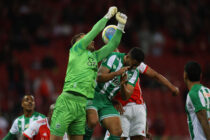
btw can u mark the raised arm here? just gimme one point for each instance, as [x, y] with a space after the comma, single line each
[115, 41]
[161, 79]
[97, 28]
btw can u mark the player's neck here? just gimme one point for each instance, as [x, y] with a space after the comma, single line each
[28, 113]
[191, 84]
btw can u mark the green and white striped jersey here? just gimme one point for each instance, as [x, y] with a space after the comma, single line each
[114, 62]
[22, 123]
[198, 99]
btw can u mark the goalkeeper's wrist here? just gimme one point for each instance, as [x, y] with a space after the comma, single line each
[108, 16]
[121, 27]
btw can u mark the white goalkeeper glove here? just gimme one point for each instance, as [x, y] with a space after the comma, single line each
[122, 19]
[112, 11]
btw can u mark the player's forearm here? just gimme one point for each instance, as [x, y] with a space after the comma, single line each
[204, 123]
[97, 28]
[125, 94]
[105, 77]
[109, 47]
[161, 79]
[9, 136]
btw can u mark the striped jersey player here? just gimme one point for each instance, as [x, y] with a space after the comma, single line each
[22, 122]
[197, 99]
[197, 103]
[117, 73]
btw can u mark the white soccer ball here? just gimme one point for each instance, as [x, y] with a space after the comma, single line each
[108, 33]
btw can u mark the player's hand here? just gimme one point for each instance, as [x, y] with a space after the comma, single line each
[149, 136]
[118, 106]
[112, 11]
[123, 79]
[121, 18]
[121, 71]
[175, 91]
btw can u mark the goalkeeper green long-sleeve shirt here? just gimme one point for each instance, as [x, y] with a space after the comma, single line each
[83, 64]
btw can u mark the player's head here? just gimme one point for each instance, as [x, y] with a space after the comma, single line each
[192, 72]
[134, 57]
[79, 36]
[28, 103]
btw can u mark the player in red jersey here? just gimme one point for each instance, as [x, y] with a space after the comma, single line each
[133, 113]
[39, 130]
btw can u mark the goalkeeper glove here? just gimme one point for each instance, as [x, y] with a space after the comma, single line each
[122, 19]
[112, 11]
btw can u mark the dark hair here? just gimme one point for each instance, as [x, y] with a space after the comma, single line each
[74, 38]
[137, 54]
[193, 70]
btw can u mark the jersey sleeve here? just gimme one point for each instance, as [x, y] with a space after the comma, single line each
[14, 129]
[108, 62]
[132, 78]
[109, 47]
[32, 130]
[142, 68]
[198, 101]
[83, 43]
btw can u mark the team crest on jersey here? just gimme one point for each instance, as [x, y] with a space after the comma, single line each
[58, 125]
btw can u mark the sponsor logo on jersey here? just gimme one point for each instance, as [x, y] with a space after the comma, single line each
[206, 94]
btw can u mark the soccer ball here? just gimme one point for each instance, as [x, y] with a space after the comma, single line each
[108, 33]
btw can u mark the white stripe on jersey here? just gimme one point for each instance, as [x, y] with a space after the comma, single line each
[111, 60]
[133, 78]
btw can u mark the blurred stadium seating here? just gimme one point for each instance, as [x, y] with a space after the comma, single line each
[170, 32]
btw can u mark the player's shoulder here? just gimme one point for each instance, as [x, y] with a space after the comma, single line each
[115, 55]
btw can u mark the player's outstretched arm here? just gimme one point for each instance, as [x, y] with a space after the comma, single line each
[204, 123]
[161, 79]
[115, 41]
[98, 27]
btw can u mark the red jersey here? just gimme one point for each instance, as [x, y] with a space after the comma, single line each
[38, 130]
[136, 97]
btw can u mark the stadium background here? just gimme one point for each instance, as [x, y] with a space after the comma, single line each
[34, 45]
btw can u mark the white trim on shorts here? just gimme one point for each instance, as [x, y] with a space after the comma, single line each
[108, 116]
[92, 107]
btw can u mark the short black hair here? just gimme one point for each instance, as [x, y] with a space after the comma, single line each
[193, 70]
[74, 38]
[137, 54]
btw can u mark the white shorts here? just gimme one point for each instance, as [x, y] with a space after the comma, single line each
[133, 120]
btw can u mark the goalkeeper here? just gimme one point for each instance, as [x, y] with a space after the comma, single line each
[69, 114]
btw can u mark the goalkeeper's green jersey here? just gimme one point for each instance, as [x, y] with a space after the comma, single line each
[83, 64]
